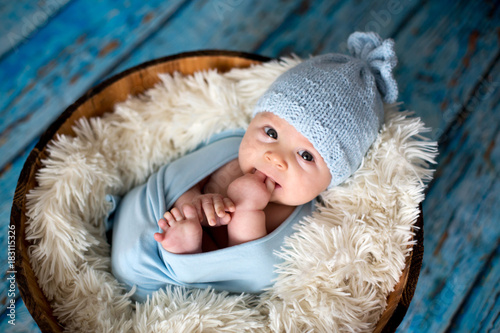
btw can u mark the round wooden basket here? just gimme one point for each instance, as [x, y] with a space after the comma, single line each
[100, 100]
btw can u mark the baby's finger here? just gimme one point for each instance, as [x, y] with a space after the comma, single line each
[226, 219]
[208, 209]
[229, 205]
[219, 206]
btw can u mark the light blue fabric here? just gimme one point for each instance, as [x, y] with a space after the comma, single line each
[137, 259]
[335, 100]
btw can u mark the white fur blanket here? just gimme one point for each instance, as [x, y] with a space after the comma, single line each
[338, 268]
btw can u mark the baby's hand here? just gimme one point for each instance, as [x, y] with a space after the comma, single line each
[251, 191]
[213, 209]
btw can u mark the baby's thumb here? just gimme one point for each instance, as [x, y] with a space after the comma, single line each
[260, 176]
[270, 184]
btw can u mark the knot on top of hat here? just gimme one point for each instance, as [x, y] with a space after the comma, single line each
[381, 59]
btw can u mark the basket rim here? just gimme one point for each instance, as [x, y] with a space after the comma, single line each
[33, 295]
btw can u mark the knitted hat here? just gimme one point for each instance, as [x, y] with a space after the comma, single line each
[335, 100]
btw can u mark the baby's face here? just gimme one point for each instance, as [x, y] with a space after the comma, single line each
[274, 147]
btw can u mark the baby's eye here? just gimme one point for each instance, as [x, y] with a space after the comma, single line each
[271, 132]
[306, 155]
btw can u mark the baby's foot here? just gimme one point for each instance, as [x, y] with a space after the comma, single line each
[181, 234]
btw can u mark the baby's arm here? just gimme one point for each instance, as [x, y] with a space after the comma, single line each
[250, 194]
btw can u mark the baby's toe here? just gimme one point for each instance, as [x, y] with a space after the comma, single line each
[163, 224]
[176, 213]
[168, 218]
[159, 237]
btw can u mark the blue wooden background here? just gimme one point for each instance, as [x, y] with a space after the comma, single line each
[52, 51]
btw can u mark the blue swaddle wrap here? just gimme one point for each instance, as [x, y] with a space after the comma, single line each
[137, 259]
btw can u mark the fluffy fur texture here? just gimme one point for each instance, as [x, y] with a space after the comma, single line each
[338, 268]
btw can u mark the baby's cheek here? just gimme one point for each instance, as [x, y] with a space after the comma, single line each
[244, 163]
[234, 169]
[301, 192]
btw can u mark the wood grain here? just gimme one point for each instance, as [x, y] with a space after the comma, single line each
[479, 312]
[80, 45]
[222, 27]
[462, 229]
[443, 53]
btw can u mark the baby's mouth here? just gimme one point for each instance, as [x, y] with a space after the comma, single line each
[276, 184]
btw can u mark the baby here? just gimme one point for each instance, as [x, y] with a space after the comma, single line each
[309, 132]
[277, 169]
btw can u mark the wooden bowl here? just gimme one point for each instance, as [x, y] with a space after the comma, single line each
[100, 100]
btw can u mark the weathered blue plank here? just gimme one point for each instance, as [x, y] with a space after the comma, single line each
[325, 26]
[229, 25]
[64, 58]
[461, 213]
[443, 51]
[293, 26]
[18, 20]
[481, 312]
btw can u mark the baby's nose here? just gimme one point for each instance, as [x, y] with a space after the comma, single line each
[276, 159]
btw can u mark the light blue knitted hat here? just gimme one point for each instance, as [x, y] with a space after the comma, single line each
[335, 100]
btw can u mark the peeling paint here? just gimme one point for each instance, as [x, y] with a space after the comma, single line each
[440, 243]
[487, 153]
[47, 68]
[148, 17]
[471, 47]
[81, 39]
[304, 6]
[444, 105]
[74, 78]
[108, 48]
